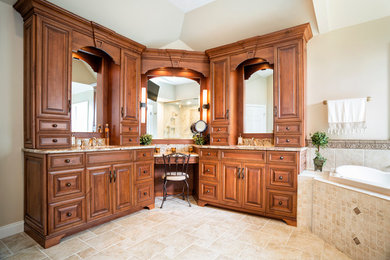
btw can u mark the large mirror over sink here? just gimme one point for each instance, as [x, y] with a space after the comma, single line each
[258, 99]
[173, 105]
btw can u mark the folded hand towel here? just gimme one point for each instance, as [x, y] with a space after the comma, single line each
[347, 115]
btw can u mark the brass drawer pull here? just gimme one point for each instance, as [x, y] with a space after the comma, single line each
[55, 140]
[68, 184]
[67, 161]
[130, 140]
[287, 128]
[207, 191]
[287, 140]
[280, 203]
[208, 170]
[208, 153]
[68, 214]
[280, 177]
[281, 157]
[145, 193]
[144, 154]
[145, 171]
[218, 140]
[54, 125]
[219, 129]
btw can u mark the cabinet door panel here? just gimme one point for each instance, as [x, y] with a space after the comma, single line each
[123, 186]
[54, 95]
[130, 85]
[231, 183]
[288, 96]
[220, 81]
[99, 190]
[254, 187]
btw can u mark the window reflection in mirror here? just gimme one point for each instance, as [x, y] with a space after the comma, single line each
[172, 107]
[84, 83]
[258, 102]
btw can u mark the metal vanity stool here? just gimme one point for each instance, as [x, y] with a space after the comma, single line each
[176, 168]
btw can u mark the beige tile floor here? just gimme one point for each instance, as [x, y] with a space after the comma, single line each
[180, 232]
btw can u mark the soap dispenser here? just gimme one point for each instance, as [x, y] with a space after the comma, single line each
[240, 141]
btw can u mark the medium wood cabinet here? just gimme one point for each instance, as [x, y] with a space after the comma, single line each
[69, 192]
[259, 182]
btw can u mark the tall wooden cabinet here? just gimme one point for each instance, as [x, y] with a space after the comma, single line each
[286, 51]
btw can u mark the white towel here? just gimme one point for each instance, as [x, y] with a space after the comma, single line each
[347, 115]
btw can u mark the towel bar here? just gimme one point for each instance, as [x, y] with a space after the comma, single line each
[325, 102]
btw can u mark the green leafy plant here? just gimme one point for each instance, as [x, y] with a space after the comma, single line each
[199, 139]
[319, 140]
[145, 139]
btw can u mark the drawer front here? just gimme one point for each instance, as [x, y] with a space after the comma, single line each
[72, 160]
[288, 140]
[144, 171]
[258, 156]
[129, 140]
[66, 215]
[218, 140]
[129, 129]
[219, 129]
[208, 191]
[144, 154]
[53, 125]
[208, 171]
[54, 141]
[209, 154]
[144, 193]
[98, 158]
[282, 203]
[282, 177]
[288, 128]
[64, 185]
[282, 157]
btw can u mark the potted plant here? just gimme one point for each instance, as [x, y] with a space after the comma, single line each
[145, 139]
[199, 139]
[319, 140]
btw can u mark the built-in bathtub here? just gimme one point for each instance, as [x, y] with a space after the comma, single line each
[363, 178]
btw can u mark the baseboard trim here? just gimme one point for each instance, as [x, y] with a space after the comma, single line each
[11, 229]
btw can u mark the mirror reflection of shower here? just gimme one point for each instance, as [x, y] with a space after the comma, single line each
[172, 107]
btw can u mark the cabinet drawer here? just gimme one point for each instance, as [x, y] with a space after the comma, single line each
[54, 141]
[208, 191]
[144, 192]
[218, 140]
[53, 125]
[282, 157]
[282, 203]
[258, 156]
[282, 177]
[129, 140]
[143, 171]
[144, 154]
[288, 128]
[288, 140]
[99, 158]
[66, 215]
[66, 184]
[129, 129]
[208, 171]
[73, 160]
[219, 129]
[208, 154]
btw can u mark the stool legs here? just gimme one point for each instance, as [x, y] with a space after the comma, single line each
[188, 193]
[164, 193]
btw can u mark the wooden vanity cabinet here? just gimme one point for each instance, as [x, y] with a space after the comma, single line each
[70, 192]
[258, 182]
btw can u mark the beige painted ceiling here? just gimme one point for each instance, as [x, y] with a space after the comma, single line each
[203, 24]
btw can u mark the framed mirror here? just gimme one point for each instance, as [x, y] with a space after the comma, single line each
[173, 105]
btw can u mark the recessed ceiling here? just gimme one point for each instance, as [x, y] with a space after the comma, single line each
[203, 24]
[172, 80]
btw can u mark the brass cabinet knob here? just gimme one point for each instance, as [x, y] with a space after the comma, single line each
[130, 140]
[145, 171]
[54, 125]
[69, 214]
[281, 157]
[55, 140]
[145, 193]
[68, 184]
[280, 202]
[287, 140]
[130, 128]
[280, 177]
[219, 129]
[144, 154]
[207, 191]
[218, 140]
[67, 161]
[208, 153]
[207, 170]
[287, 128]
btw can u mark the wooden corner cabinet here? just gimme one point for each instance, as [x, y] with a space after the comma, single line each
[258, 182]
[69, 192]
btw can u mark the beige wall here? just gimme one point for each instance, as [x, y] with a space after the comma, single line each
[11, 116]
[349, 63]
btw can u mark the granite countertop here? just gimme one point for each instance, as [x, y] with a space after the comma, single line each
[89, 149]
[247, 147]
[191, 154]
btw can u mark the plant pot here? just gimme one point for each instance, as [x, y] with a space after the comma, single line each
[318, 164]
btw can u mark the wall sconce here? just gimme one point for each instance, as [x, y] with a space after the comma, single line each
[205, 105]
[143, 105]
